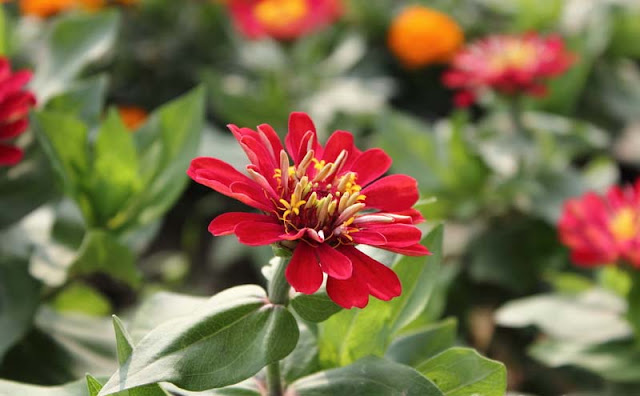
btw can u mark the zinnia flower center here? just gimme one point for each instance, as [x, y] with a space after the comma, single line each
[280, 13]
[318, 197]
[514, 55]
[625, 224]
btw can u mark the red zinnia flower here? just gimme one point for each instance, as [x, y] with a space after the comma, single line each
[282, 19]
[15, 104]
[330, 199]
[603, 229]
[511, 65]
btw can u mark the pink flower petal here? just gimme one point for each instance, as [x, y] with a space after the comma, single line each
[13, 129]
[333, 263]
[349, 293]
[413, 250]
[382, 282]
[10, 155]
[226, 223]
[370, 165]
[258, 234]
[299, 125]
[338, 141]
[303, 272]
[392, 193]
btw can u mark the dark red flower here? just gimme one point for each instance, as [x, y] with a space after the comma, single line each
[603, 229]
[510, 65]
[320, 202]
[282, 19]
[15, 104]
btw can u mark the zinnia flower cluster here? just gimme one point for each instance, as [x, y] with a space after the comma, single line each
[15, 103]
[319, 202]
[510, 65]
[282, 19]
[603, 229]
[421, 36]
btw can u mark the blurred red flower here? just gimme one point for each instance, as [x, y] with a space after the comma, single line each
[282, 19]
[510, 65]
[603, 229]
[15, 103]
[323, 204]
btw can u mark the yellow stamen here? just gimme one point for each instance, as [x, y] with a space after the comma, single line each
[625, 224]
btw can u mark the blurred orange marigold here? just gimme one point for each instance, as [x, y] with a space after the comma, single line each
[132, 116]
[47, 8]
[420, 36]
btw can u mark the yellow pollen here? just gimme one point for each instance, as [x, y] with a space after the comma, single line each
[625, 224]
[280, 13]
[318, 164]
[514, 55]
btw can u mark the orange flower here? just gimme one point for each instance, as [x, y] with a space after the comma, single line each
[132, 116]
[47, 8]
[420, 36]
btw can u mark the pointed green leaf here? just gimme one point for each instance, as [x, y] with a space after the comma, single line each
[238, 323]
[367, 377]
[93, 385]
[413, 348]
[462, 372]
[314, 307]
[84, 98]
[304, 358]
[76, 388]
[353, 334]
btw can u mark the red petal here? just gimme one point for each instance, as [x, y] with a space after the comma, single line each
[338, 141]
[333, 263]
[14, 83]
[299, 125]
[413, 250]
[244, 20]
[258, 234]
[303, 272]
[10, 155]
[392, 193]
[395, 235]
[227, 222]
[272, 137]
[16, 105]
[370, 165]
[382, 282]
[11, 130]
[349, 293]
[223, 178]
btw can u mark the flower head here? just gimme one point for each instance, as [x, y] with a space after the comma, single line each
[510, 65]
[320, 202]
[603, 229]
[15, 103]
[47, 8]
[132, 116]
[282, 19]
[420, 36]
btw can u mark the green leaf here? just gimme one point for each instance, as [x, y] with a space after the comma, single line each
[75, 41]
[367, 377]
[114, 174]
[159, 308]
[83, 98]
[93, 385]
[413, 348]
[101, 252]
[352, 334]
[616, 361]
[64, 140]
[166, 144]
[19, 299]
[238, 322]
[304, 358]
[79, 297]
[125, 348]
[76, 388]
[462, 372]
[592, 316]
[314, 307]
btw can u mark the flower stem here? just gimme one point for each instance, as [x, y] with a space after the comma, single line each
[274, 380]
[279, 287]
[278, 294]
[515, 113]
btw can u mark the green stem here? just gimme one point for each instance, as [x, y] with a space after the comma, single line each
[274, 380]
[633, 307]
[515, 113]
[278, 294]
[279, 287]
